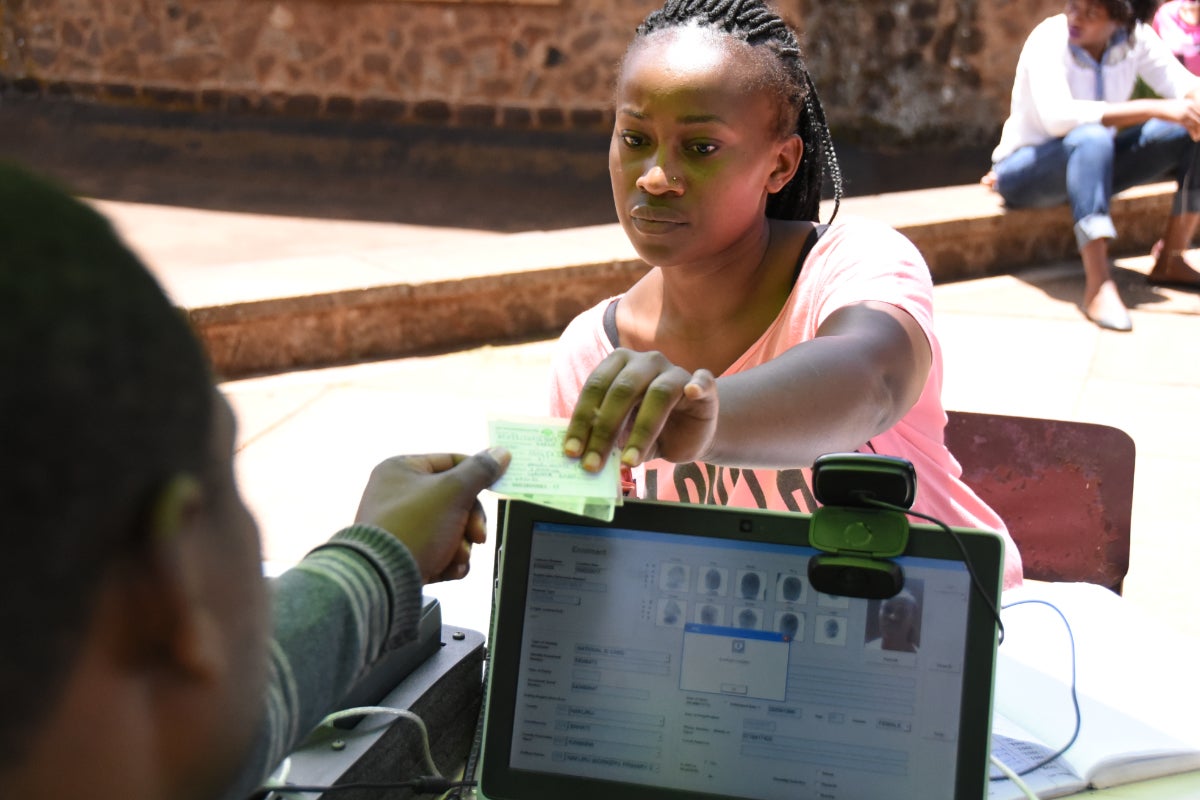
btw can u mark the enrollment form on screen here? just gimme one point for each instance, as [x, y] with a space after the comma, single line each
[711, 665]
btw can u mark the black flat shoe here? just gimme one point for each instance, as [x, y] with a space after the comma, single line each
[1188, 286]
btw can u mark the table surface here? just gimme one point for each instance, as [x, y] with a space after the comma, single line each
[1185, 786]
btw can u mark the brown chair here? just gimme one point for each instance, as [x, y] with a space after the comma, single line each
[1064, 489]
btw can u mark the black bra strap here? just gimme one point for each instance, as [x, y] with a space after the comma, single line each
[809, 244]
[610, 324]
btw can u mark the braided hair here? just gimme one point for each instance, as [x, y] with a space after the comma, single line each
[752, 22]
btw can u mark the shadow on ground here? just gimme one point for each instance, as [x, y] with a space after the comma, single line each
[420, 176]
[1067, 286]
[500, 180]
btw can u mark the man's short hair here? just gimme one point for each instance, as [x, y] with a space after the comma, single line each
[104, 395]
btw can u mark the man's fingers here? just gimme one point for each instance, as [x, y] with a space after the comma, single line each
[481, 470]
[476, 528]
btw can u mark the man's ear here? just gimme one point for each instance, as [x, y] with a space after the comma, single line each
[171, 622]
[787, 161]
[174, 507]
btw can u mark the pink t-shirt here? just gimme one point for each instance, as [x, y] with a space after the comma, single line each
[854, 261]
[1182, 37]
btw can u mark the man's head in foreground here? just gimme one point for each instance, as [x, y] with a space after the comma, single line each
[132, 608]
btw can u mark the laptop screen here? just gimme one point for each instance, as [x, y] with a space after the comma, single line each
[681, 649]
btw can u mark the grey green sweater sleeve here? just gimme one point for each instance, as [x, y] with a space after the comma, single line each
[335, 614]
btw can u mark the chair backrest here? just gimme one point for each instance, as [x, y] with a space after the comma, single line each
[1064, 489]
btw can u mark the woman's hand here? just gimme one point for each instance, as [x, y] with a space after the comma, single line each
[645, 405]
[1186, 112]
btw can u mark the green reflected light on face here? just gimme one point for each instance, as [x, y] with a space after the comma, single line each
[696, 129]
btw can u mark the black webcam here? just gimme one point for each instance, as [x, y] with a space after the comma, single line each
[860, 524]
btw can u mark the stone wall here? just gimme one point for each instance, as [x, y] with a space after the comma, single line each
[918, 70]
[889, 71]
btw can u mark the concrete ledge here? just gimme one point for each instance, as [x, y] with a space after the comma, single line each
[965, 232]
[403, 319]
[473, 291]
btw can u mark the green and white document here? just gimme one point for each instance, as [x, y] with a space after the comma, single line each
[541, 473]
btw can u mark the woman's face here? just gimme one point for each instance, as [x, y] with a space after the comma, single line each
[694, 151]
[1089, 26]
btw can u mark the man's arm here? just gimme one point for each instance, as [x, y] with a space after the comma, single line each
[358, 596]
[335, 614]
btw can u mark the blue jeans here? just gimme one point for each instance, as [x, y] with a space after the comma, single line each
[1089, 165]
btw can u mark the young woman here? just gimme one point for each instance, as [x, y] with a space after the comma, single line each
[1075, 136]
[759, 340]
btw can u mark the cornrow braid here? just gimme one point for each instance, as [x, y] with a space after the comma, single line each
[752, 22]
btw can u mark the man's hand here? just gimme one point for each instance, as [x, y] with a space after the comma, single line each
[431, 504]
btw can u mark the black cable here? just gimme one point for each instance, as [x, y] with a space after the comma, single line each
[975, 581]
[867, 498]
[1074, 693]
[426, 785]
[477, 740]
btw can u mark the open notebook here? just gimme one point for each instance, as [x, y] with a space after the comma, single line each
[679, 650]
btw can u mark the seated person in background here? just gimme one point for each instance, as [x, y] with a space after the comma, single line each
[1074, 136]
[138, 659]
[756, 343]
[1178, 23]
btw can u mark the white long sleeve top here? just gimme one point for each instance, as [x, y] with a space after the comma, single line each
[1059, 87]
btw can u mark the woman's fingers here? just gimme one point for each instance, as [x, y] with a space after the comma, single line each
[664, 419]
[591, 427]
[627, 386]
